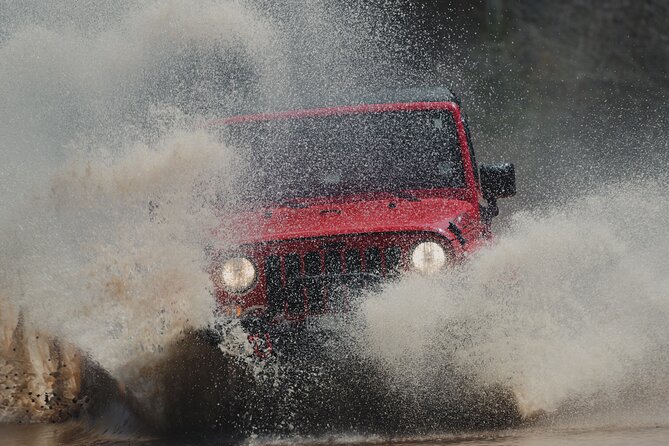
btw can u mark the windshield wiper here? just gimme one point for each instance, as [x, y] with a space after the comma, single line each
[321, 191]
[293, 202]
[301, 202]
[404, 195]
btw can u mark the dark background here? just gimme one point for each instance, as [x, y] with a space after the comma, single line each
[575, 92]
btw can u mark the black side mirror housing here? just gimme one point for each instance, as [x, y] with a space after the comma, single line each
[498, 180]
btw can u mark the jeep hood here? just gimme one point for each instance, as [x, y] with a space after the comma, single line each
[354, 216]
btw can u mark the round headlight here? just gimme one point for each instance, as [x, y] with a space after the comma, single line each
[238, 274]
[428, 257]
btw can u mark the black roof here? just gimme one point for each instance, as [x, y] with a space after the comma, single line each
[332, 99]
[414, 94]
[282, 103]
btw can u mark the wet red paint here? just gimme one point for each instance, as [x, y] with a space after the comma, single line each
[356, 220]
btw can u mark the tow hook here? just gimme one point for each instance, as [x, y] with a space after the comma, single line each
[262, 345]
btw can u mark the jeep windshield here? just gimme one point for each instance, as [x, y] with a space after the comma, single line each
[337, 154]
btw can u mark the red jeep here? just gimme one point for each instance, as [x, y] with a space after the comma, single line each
[338, 200]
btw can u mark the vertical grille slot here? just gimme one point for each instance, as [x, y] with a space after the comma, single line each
[335, 293]
[293, 290]
[275, 296]
[312, 271]
[353, 263]
[373, 261]
[354, 268]
[333, 262]
[393, 255]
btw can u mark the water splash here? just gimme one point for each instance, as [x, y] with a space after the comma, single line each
[107, 195]
[108, 192]
[113, 259]
[568, 308]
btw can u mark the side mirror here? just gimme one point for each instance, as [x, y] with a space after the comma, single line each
[498, 180]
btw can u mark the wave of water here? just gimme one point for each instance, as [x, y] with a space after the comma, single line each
[569, 308]
[105, 186]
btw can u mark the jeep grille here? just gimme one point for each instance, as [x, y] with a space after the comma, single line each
[327, 279]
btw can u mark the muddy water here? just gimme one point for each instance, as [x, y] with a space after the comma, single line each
[655, 435]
